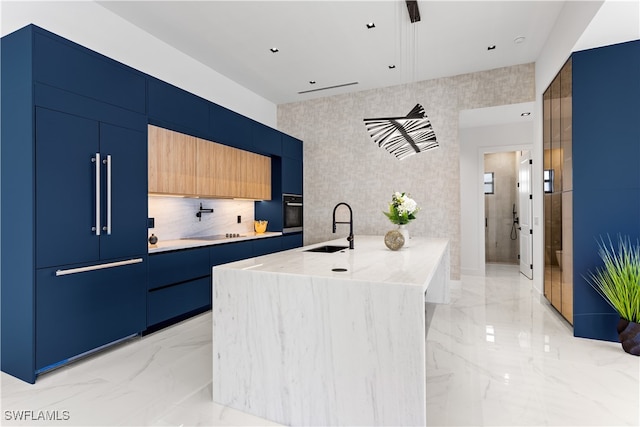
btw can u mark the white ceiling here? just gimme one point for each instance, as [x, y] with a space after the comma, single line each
[328, 42]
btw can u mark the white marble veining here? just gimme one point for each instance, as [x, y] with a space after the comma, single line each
[498, 354]
[172, 245]
[300, 344]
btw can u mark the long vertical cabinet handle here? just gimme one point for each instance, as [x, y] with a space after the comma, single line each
[107, 161]
[97, 162]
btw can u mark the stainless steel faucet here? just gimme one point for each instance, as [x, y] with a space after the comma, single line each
[350, 222]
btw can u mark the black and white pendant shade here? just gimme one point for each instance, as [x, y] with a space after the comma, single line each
[403, 136]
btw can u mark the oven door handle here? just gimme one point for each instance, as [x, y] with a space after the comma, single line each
[293, 204]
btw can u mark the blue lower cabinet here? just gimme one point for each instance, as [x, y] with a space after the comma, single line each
[179, 282]
[266, 246]
[291, 241]
[222, 254]
[176, 300]
[82, 311]
[169, 268]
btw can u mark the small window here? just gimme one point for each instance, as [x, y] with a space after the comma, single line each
[488, 183]
[548, 181]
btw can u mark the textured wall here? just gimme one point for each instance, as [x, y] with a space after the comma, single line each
[342, 163]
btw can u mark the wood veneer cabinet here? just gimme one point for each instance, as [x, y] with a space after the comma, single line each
[172, 162]
[558, 192]
[205, 168]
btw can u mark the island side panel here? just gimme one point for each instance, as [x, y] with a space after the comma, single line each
[303, 350]
[438, 286]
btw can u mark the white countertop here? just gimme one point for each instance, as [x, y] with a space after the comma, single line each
[172, 245]
[370, 261]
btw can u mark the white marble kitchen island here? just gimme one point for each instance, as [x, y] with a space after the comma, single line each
[300, 344]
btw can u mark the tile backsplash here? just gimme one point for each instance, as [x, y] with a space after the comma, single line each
[175, 217]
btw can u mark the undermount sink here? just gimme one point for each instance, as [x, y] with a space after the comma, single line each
[329, 249]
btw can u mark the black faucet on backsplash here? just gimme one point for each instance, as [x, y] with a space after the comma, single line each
[350, 222]
[201, 211]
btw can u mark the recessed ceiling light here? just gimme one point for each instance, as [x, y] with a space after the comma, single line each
[371, 25]
[493, 46]
[274, 49]
[525, 114]
[312, 82]
[391, 67]
[518, 40]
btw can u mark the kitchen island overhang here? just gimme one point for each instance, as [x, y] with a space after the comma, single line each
[298, 343]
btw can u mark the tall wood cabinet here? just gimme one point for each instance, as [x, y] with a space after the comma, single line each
[558, 192]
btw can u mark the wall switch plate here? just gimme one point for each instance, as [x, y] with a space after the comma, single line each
[239, 219]
[151, 222]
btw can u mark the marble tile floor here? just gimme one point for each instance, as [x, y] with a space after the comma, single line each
[497, 355]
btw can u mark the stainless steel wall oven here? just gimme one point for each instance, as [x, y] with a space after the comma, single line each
[291, 213]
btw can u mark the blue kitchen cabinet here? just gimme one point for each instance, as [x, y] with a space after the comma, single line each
[79, 312]
[230, 128]
[176, 109]
[229, 252]
[266, 245]
[266, 140]
[62, 104]
[179, 284]
[66, 65]
[292, 165]
[291, 241]
[69, 190]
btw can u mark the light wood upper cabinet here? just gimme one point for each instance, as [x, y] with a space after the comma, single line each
[172, 162]
[215, 170]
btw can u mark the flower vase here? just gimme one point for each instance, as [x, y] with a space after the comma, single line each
[402, 228]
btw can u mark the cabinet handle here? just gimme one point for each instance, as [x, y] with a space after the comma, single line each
[98, 267]
[107, 161]
[96, 160]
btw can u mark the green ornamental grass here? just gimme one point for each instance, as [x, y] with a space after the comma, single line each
[618, 281]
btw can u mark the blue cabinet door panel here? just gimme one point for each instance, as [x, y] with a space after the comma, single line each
[178, 266]
[221, 254]
[231, 128]
[80, 312]
[291, 147]
[291, 241]
[266, 140]
[266, 246]
[128, 151]
[77, 69]
[173, 301]
[65, 188]
[167, 103]
[291, 175]
[61, 100]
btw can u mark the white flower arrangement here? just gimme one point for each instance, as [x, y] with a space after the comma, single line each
[402, 209]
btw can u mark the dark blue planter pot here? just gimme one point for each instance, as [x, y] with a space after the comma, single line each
[629, 334]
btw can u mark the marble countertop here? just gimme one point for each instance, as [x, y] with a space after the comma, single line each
[172, 245]
[370, 261]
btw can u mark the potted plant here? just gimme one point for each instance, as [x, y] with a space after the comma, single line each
[618, 282]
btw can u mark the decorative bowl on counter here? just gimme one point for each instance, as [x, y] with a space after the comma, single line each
[260, 226]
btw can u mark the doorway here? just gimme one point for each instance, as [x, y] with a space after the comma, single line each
[501, 207]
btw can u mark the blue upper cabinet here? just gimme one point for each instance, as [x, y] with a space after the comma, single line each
[266, 140]
[60, 63]
[230, 128]
[291, 147]
[292, 165]
[176, 109]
